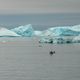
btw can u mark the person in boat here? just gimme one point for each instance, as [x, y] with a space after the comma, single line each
[52, 52]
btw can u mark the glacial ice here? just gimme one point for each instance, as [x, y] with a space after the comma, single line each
[59, 35]
[26, 31]
[37, 33]
[76, 28]
[5, 32]
[59, 32]
[76, 39]
[56, 40]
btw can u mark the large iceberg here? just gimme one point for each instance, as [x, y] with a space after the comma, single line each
[59, 31]
[26, 31]
[61, 34]
[5, 32]
[56, 40]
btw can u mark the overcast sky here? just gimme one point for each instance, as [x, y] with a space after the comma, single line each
[39, 6]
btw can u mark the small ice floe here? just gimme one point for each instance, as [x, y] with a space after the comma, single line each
[76, 39]
[7, 33]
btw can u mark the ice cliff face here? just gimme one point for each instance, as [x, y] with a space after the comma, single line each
[63, 34]
[67, 34]
[5, 32]
[60, 31]
[26, 31]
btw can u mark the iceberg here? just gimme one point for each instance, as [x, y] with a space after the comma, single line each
[46, 40]
[61, 35]
[5, 32]
[37, 33]
[56, 40]
[46, 33]
[76, 39]
[60, 31]
[26, 31]
[64, 31]
[76, 28]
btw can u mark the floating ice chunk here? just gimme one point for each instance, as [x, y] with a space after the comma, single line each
[26, 30]
[59, 35]
[6, 32]
[60, 31]
[76, 39]
[56, 40]
[63, 31]
[37, 33]
[76, 28]
[46, 40]
[46, 33]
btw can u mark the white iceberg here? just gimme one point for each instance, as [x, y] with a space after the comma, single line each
[46, 40]
[63, 31]
[76, 28]
[56, 40]
[60, 31]
[37, 33]
[76, 39]
[61, 34]
[6, 32]
[46, 33]
[26, 31]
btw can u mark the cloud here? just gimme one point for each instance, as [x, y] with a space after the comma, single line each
[38, 6]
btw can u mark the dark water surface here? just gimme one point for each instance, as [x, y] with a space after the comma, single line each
[26, 59]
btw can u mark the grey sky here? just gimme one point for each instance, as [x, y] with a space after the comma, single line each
[39, 6]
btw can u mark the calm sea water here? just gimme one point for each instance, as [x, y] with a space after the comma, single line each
[40, 21]
[26, 59]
